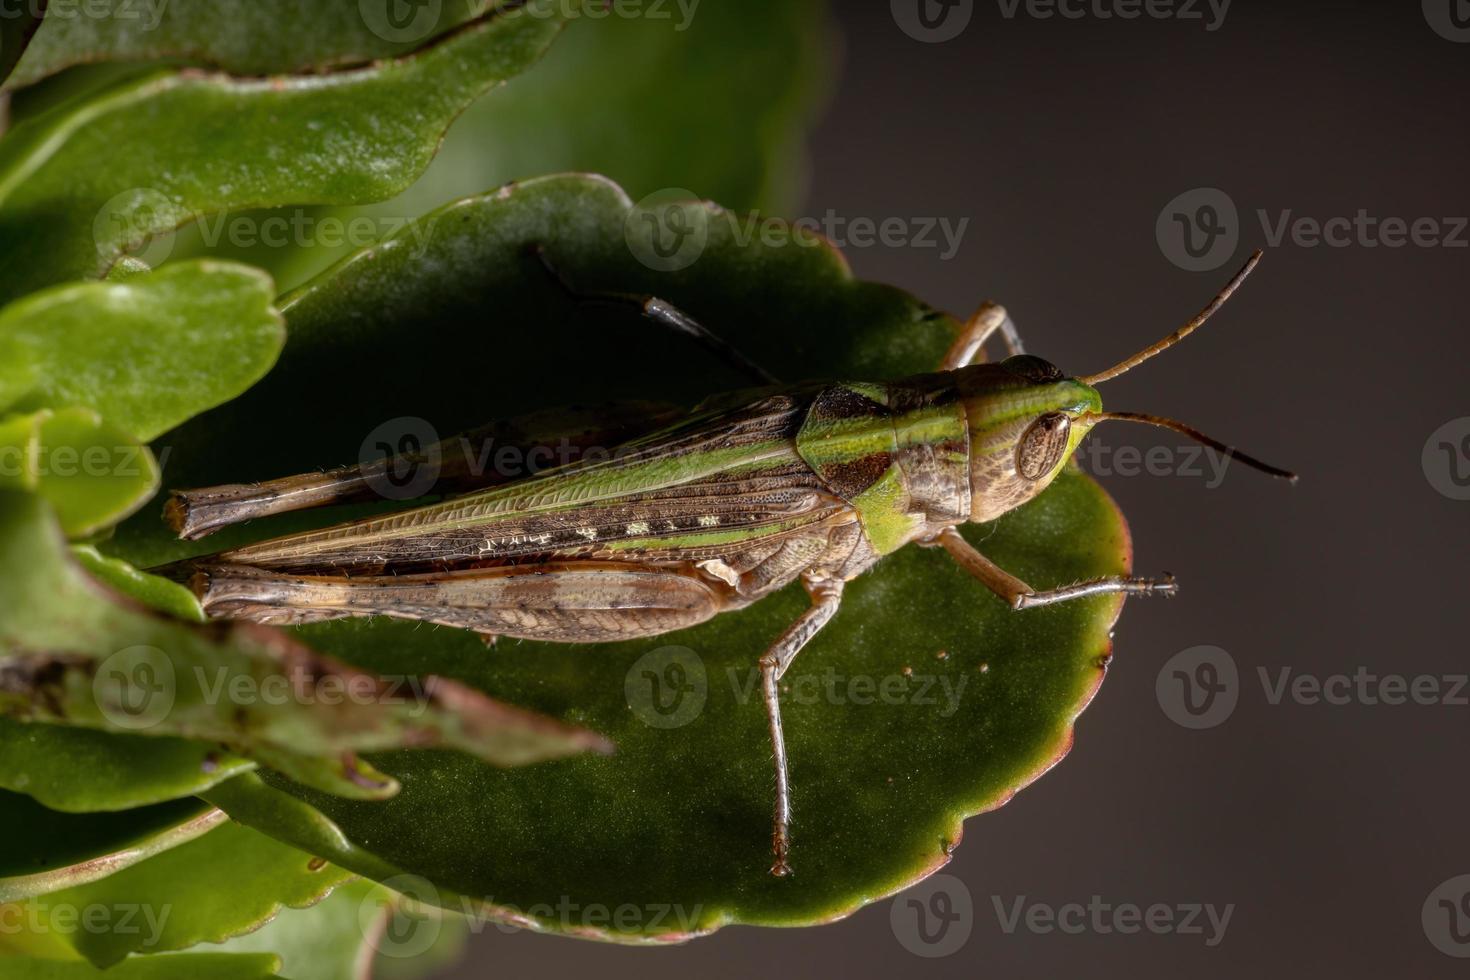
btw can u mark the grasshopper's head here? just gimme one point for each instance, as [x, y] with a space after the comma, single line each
[1026, 419]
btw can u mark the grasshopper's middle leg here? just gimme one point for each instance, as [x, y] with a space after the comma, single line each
[663, 313]
[1019, 595]
[981, 326]
[826, 595]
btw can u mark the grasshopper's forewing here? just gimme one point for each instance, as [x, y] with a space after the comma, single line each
[724, 482]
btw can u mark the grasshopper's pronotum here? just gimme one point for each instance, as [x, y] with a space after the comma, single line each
[703, 515]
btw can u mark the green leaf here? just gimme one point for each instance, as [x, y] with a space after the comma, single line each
[190, 966]
[265, 37]
[82, 771]
[17, 30]
[145, 354]
[676, 826]
[226, 883]
[332, 939]
[47, 850]
[91, 474]
[70, 204]
[151, 590]
[72, 653]
[750, 78]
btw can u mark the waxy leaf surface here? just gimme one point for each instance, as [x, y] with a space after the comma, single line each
[925, 701]
[199, 143]
[265, 37]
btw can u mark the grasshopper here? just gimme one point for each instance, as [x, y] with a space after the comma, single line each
[706, 514]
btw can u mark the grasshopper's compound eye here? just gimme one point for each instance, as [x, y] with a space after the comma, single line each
[1042, 445]
[1032, 368]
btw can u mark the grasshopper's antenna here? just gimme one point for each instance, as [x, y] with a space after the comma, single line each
[1182, 332]
[1197, 436]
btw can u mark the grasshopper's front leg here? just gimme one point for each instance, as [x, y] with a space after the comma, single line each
[826, 595]
[980, 327]
[1019, 595]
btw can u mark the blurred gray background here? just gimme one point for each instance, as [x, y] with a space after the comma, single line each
[1075, 149]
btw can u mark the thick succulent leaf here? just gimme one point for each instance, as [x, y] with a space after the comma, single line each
[979, 699]
[73, 652]
[79, 770]
[151, 590]
[147, 353]
[92, 474]
[17, 30]
[83, 771]
[46, 850]
[265, 37]
[189, 966]
[202, 143]
[226, 883]
[750, 76]
[733, 129]
[360, 924]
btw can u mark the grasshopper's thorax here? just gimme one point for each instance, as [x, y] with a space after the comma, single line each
[897, 452]
[1025, 419]
[918, 455]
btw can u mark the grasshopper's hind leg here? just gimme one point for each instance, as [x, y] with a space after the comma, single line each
[663, 313]
[826, 595]
[567, 602]
[1019, 595]
[982, 325]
